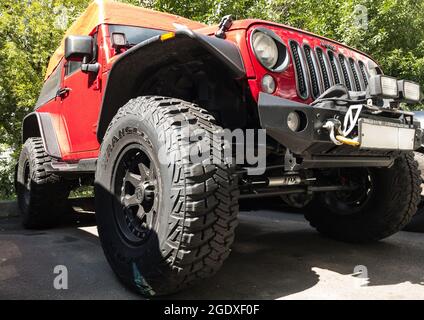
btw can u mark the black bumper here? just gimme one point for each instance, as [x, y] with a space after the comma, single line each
[313, 139]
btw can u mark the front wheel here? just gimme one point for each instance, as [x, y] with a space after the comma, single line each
[382, 202]
[164, 220]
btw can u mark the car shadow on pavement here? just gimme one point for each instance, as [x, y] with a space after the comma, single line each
[267, 263]
[417, 224]
[275, 255]
[81, 213]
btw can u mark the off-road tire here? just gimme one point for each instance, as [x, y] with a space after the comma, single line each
[42, 197]
[419, 157]
[397, 194]
[198, 206]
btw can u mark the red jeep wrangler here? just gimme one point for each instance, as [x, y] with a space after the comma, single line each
[135, 101]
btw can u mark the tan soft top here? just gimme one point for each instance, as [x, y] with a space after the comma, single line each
[111, 12]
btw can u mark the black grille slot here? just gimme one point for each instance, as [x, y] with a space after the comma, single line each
[345, 72]
[363, 72]
[334, 67]
[300, 75]
[323, 67]
[312, 71]
[355, 74]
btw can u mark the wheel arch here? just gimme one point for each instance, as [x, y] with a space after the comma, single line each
[30, 127]
[40, 125]
[214, 66]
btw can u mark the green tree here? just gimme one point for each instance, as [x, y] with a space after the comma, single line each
[30, 31]
[393, 34]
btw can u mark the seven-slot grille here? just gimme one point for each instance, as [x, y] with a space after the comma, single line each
[322, 68]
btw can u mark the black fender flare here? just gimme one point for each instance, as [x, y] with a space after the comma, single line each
[39, 124]
[148, 56]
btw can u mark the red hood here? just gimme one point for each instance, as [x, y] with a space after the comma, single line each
[247, 23]
[306, 80]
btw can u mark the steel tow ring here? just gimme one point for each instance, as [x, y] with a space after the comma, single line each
[334, 125]
[330, 125]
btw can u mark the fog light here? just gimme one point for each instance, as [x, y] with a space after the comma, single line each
[293, 121]
[389, 86]
[410, 91]
[268, 84]
[383, 87]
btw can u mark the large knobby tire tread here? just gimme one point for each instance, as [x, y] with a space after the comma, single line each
[204, 196]
[49, 192]
[404, 196]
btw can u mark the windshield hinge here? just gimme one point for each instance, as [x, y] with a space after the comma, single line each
[224, 26]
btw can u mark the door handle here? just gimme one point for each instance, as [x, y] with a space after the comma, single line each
[62, 91]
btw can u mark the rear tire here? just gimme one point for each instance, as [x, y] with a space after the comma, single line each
[42, 197]
[163, 221]
[392, 202]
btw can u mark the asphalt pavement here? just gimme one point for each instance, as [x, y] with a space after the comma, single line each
[276, 255]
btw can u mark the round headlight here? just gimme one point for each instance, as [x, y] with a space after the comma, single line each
[265, 49]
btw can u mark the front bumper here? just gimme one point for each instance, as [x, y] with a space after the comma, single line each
[378, 136]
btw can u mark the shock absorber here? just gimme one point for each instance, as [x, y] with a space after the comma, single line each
[291, 179]
[286, 180]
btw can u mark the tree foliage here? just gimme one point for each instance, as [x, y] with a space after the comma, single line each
[30, 30]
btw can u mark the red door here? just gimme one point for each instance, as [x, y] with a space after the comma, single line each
[80, 108]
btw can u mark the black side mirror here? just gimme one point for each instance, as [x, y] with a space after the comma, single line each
[79, 47]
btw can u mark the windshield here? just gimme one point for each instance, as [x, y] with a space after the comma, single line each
[135, 35]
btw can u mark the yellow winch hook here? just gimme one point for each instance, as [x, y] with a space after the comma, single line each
[350, 142]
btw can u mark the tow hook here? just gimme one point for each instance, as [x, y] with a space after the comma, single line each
[336, 134]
